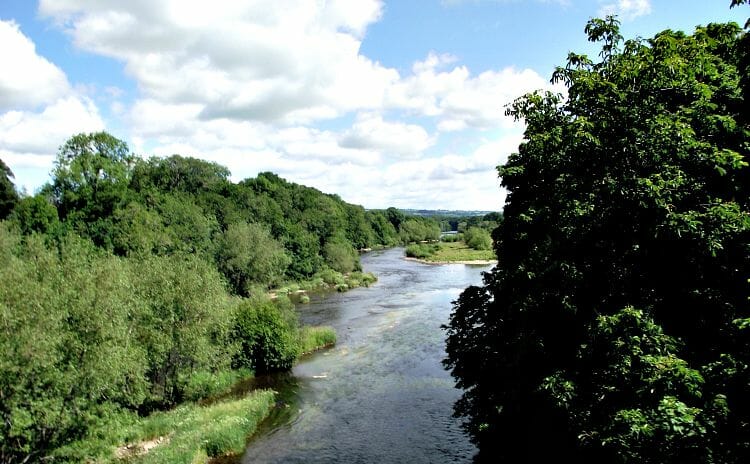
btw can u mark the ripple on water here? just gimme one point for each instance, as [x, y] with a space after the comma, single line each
[380, 395]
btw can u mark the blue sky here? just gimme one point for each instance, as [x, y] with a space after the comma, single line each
[396, 103]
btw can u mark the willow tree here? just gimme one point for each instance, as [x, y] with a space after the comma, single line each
[615, 327]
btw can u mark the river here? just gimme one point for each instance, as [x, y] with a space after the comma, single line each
[381, 394]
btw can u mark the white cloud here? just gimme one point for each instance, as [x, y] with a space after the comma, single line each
[244, 84]
[29, 140]
[27, 79]
[458, 99]
[43, 132]
[265, 61]
[39, 109]
[628, 9]
[370, 131]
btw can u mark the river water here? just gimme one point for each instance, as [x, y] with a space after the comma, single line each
[381, 394]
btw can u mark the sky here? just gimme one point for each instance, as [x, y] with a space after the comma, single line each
[385, 103]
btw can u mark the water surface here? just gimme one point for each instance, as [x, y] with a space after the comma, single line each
[381, 395]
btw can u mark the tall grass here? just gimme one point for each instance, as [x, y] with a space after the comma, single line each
[315, 338]
[194, 433]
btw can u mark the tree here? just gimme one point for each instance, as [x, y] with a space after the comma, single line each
[248, 255]
[35, 214]
[177, 173]
[90, 180]
[478, 238]
[8, 195]
[632, 192]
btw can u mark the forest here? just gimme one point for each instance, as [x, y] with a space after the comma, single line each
[133, 285]
[615, 326]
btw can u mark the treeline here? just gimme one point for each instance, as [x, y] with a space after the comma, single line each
[165, 206]
[131, 285]
[616, 326]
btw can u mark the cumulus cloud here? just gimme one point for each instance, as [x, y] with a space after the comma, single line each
[41, 133]
[245, 84]
[628, 9]
[27, 79]
[39, 109]
[458, 99]
[371, 132]
[266, 61]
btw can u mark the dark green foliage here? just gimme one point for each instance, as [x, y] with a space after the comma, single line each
[268, 335]
[384, 232]
[630, 193]
[8, 194]
[179, 174]
[35, 214]
[91, 178]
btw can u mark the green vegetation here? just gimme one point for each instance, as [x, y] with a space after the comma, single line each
[448, 253]
[131, 286]
[615, 327]
[477, 238]
[315, 338]
[422, 250]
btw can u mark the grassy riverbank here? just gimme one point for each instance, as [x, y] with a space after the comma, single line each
[201, 430]
[196, 434]
[452, 252]
[327, 280]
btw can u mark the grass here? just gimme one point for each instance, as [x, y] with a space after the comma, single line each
[194, 434]
[449, 252]
[205, 384]
[315, 338]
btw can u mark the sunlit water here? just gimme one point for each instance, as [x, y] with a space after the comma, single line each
[381, 395]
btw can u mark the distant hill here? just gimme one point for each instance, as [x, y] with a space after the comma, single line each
[444, 212]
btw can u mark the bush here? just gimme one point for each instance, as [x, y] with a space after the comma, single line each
[267, 332]
[360, 279]
[478, 239]
[421, 251]
[331, 277]
[451, 238]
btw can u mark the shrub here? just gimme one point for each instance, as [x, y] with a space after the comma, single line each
[267, 332]
[421, 251]
[478, 239]
[331, 277]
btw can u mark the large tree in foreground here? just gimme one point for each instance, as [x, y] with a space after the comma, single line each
[615, 327]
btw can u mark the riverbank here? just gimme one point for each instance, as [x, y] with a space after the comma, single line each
[328, 280]
[471, 262]
[449, 253]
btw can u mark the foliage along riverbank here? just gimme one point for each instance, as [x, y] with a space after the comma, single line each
[472, 246]
[132, 286]
[449, 253]
[616, 326]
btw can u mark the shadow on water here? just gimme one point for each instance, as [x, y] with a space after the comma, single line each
[381, 394]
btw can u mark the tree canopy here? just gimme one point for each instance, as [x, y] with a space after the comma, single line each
[615, 326]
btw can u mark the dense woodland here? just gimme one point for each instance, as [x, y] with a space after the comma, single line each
[615, 326]
[131, 285]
